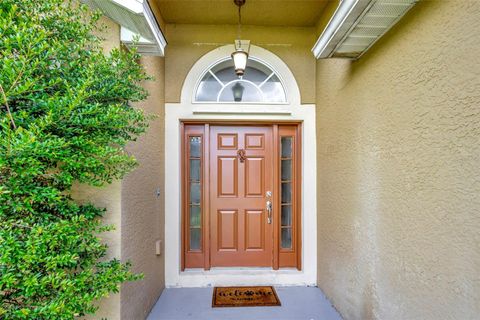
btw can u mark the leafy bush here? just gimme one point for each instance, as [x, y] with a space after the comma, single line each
[64, 118]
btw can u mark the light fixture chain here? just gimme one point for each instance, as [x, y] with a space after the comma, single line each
[239, 22]
[240, 55]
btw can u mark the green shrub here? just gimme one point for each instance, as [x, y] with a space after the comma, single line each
[65, 117]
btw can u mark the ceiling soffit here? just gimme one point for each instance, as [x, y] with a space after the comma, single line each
[296, 13]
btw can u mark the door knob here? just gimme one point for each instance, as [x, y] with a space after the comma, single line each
[269, 212]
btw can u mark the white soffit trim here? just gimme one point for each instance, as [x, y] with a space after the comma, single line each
[137, 21]
[356, 25]
[136, 6]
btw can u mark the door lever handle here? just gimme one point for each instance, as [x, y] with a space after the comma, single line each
[269, 212]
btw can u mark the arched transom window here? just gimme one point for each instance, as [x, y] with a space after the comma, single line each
[259, 84]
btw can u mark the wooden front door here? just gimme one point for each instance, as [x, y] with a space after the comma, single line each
[231, 174]
[241, 184]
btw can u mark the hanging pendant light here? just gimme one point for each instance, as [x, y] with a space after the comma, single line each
[242, 47]
[240, 58]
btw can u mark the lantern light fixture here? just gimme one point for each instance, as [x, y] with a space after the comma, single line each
[242, 47]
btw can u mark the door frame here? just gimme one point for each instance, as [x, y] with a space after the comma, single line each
[183, 108]
[175, 114]
[281, 258]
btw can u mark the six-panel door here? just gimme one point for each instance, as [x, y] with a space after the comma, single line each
[241, 173]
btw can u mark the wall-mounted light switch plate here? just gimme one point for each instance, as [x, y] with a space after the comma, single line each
[158, 247]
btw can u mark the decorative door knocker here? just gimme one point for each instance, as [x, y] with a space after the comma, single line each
[242, 155]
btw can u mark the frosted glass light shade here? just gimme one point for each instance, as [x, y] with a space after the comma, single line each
[240, 61]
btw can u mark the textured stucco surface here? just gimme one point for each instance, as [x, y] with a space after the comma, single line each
[132, 204]
[108, 196]
[399, 170]
[142, 210]
[187, 43]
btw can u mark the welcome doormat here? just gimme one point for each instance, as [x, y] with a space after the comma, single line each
[245, 297]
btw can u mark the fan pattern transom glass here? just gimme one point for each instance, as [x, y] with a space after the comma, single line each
[259, 84]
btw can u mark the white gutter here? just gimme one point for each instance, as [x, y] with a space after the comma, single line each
[138, 24]
[356, 25]
[330, 35]
[152, 22]
[136, 6]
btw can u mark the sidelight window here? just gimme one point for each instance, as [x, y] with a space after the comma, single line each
[286, 197]
[195, 192]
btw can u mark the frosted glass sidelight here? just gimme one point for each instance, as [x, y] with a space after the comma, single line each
[286, 170]
[195, 170]
[286, 238]
[287, 182]
[195, 193]
[286, 215]
[195, 216]
[287, 147]
[286, 192]
[195, 237]
[195, 147]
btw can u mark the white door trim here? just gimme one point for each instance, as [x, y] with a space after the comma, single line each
[187, 110]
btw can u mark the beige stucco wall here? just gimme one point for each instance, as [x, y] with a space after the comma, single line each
[132, 204]
[399, 170]
[109, 196]
[142, 210]
[187, 43]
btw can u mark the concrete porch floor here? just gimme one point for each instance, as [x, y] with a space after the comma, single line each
[298, 303]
